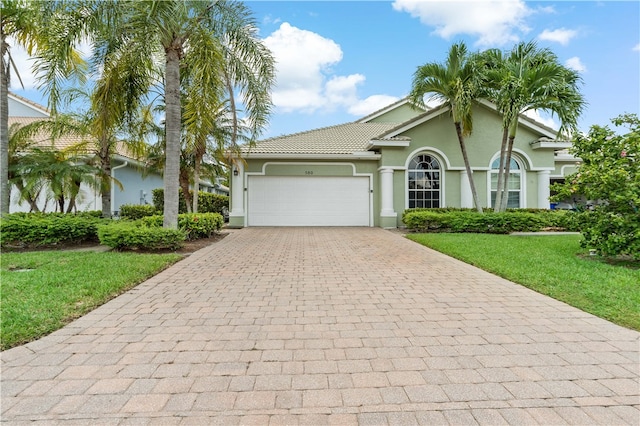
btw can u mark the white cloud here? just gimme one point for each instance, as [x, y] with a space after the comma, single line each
[305, 79]
[546, 120]
[637, 47]
[575, 64]
[494, 22]
[561, 35]
[302, 58]
[372, 103]
[341, 90]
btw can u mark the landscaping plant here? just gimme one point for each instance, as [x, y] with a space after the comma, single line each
[609, 176]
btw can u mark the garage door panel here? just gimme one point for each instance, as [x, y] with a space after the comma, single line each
[308, 201]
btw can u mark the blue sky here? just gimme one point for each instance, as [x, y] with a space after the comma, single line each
[340, 60]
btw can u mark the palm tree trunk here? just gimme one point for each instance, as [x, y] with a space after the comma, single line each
[33, 206]
[105, 187]
[184, 185]
[463, 148]
[172, 133]
[507, 172]
[5, 187]
[196, 182]
[501, 167]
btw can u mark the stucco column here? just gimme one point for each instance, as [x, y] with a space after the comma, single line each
[543, 189]
[236, 215]
[466, 197]
[387, 214]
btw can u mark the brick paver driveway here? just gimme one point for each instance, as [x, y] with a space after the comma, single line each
[326, 326]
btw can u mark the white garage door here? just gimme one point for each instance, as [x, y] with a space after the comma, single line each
[307, 201]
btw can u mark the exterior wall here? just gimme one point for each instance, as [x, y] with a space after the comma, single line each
[20, 109]
[564, 168]
[136, 189]
[88, 199]
[437, 137]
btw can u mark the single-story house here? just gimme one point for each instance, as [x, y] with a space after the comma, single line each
[367, 172]
[137, 186]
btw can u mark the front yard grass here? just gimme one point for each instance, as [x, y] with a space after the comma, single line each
[42, 291]
[552, 265]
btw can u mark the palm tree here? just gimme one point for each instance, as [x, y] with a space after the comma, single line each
[63, 170]
[529, 78]
[198, 33]
[457, 83]
[20, 142]
[49, 31]
[104, 126]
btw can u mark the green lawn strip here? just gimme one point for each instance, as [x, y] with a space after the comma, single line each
[552, 265]
[56, 287]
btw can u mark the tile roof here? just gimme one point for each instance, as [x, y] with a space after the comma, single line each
[43, 140]
[341, 139]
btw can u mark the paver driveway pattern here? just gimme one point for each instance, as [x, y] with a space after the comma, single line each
[326, 326]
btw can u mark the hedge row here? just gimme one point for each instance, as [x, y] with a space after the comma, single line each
[130, 236]
[36, 229]
[193, 225]
[466, 220]
[207, 202]
[136, 211]
[39, 229]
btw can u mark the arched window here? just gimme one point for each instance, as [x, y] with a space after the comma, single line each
[515, 183]
[424, 182]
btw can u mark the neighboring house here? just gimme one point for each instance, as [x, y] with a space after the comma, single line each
[137, 186]
[367, 172]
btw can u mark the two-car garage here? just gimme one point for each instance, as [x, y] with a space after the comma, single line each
[308, 200]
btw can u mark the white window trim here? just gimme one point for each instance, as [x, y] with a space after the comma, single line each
[444, 163]
[523, 178]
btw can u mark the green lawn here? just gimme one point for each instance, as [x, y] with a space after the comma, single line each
[43, 291]
[552, 265]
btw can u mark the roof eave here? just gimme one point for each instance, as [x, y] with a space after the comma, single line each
[549, 144]
[364, 155]
[384, 143]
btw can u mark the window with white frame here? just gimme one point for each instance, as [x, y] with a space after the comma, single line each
[423, 177]
[514, 186]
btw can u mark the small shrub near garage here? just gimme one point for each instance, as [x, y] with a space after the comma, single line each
[194, 225]
[467, 220]
[42, 229]
[132, 236]
[136, 211]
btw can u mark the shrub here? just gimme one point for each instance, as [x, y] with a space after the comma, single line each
[131, 236]
[610, 174]
[466, 220]
[136, 211]
[207, 202]
[194, 225]
[47, 228]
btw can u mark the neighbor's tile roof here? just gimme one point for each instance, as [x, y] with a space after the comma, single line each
[43, 140]
[341, 139]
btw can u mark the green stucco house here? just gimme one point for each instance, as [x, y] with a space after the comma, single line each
[367, 172]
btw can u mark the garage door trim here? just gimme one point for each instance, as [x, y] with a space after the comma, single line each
[369, 176]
